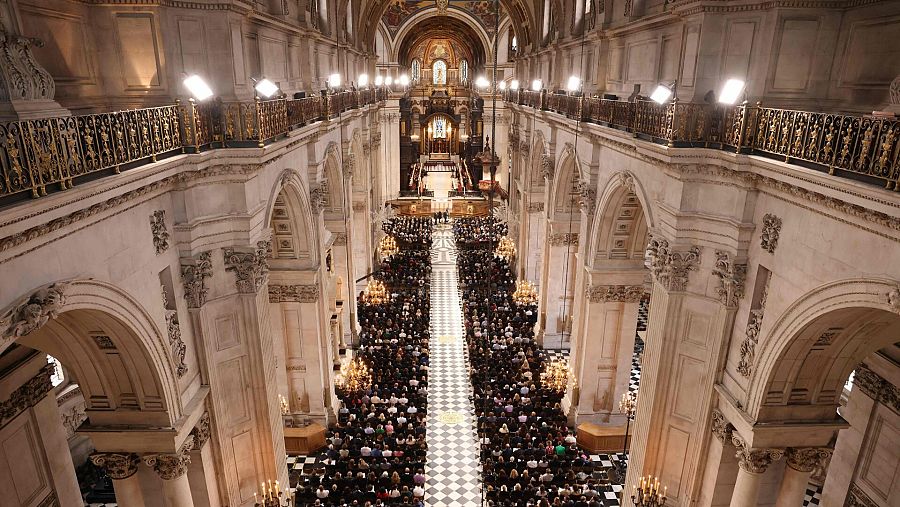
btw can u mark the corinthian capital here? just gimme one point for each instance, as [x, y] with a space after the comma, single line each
[118, 465]
[755, 461]
[171, 466]
[806, 459]
[193, 273]
[250, 268]
[670, 267]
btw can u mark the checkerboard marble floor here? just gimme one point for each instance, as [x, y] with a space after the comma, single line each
[452, 469]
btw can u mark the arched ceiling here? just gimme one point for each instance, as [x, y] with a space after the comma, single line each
[520, 12]
[451, 36]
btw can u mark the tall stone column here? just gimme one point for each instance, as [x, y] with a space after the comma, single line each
[122, 469]
[690, 319]
[201, 470]
[753, 463]
[172, 469]
[800, 464]
[605, 347]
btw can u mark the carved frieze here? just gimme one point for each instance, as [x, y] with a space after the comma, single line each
[293, 293]
[250, 268]
[731, 279]
[32, 312]
[201, 431]
[118, 465]
[751, 460]
[626, 179]
[159, 231]
[72, 419]
[349, 166]
[721, 428]
[858, 498]
[27, 395]
[535, 207]
[176, 343]
[564, 239]
[770, 232]
[623, 293]
[806, 459]
[877, 388]
[547, 166]
[587, 197]
[171, 466]
[194, 272]
[103, 342]
[670, 267]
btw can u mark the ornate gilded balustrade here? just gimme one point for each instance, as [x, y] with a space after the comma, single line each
[37, 154]
[861, 147]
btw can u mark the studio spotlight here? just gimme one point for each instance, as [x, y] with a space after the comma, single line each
[574, 84]
[334, 80]
[482, 82]
[403, 80]
[731, 92]
[537, 85]
[502, 85]
[514, 84]
[388, 81]
[198, 88]
[363, 80]
[266, 88]
[663, 93]
[379, 80]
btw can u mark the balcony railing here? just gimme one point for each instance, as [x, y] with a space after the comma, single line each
[37, 154]
[859, 147]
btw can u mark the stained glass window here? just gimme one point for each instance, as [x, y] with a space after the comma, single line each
[440, 128]
[416, 69]
[439, 72]
[463, 70]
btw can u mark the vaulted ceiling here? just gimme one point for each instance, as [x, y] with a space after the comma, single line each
[456, 38]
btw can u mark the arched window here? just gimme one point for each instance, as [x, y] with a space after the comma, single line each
[349, 19]
[514, 44]
[439, 72]
[416, 70]
[463, 70]
[57, 376]
[545, 31]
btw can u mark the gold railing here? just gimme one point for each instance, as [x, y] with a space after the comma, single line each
[860, 147]
[38, 153]
[35, 154]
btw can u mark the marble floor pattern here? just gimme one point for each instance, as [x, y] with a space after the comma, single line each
[453, 467]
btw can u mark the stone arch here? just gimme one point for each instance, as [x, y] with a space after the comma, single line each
[567, 178]
[807, 356]
[540, 156]
[334, 178]
[356, 162]
[293, 226]
[110, 344]
[622, 222]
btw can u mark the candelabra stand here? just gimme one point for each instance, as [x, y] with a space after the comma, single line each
[627, 405]
[272, 496]
[648, 493]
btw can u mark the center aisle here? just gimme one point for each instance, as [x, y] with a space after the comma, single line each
[453, 465]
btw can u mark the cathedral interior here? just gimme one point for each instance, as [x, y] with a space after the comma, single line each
[449, 253]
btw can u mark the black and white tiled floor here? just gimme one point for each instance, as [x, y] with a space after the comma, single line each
[452, 468]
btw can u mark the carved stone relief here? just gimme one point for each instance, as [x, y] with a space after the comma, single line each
[171, 466]
[564, 239]
[318, 198]
[770, 232]
[806, 459]
[293, 293]
[755, 461]
[721, 428]
[547, 166]
[158, 229]
[535, 207]
[201, 431]
[27, 395]
[623, 293]
[21, 76]
[731, 279]
[33, 312]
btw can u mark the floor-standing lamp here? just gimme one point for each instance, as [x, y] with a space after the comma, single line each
[627, 405]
